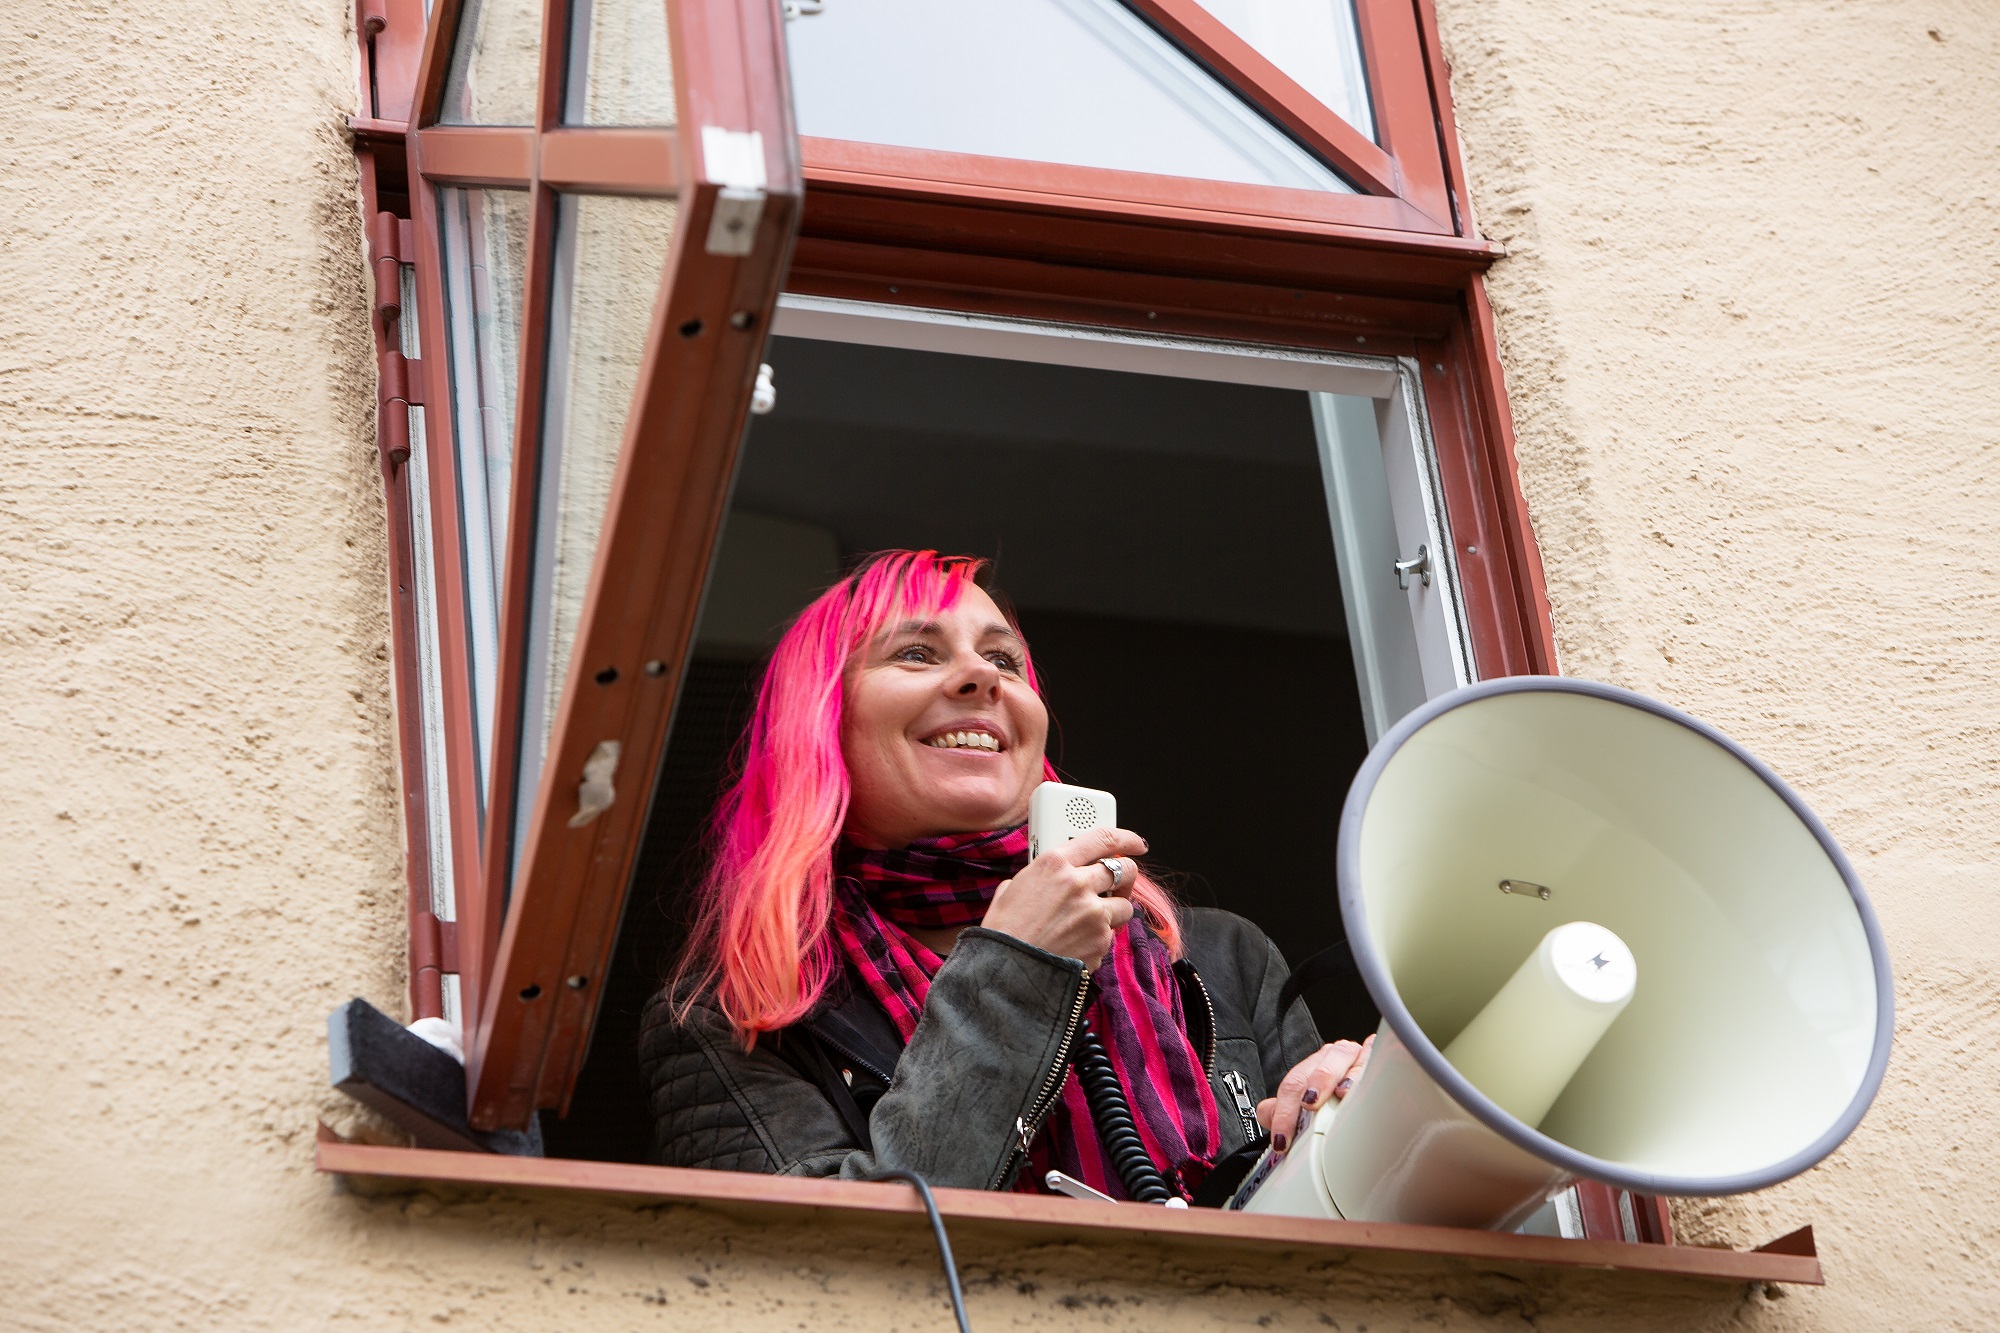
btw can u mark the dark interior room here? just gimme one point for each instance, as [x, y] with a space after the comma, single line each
[1165, 546]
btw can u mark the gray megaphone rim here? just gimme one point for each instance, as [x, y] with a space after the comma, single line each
[1382, 987]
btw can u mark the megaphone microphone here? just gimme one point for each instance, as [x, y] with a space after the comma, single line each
[1563, 897]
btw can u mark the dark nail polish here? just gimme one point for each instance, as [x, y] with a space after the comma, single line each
[1342, 1088]
[1311, 1098]
[1305, 1118]
[1278, 1142]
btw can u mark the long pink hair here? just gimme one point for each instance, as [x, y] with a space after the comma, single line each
[760, 940]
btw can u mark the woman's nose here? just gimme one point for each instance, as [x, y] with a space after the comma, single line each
[980, 677]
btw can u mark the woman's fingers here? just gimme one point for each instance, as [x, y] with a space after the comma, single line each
[1087, 849]
[1117, 914]
[1347, 1080]
[1107, 859]
[1311, 1083]
[1267, 1109]
[1065, 901]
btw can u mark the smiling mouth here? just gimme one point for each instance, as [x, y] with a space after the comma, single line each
[965, 740]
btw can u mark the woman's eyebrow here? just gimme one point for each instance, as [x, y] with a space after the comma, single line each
[932, 627]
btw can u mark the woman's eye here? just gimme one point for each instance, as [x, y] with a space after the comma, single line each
[1006, 662]
[915, 652]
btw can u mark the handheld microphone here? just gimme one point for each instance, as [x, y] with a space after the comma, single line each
[1058, 812]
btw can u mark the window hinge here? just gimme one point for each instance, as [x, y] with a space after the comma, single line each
[433, 943]
[396, 396]
[388, 242]
[385, 259]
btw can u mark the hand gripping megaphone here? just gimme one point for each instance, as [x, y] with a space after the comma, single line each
[1607, 943]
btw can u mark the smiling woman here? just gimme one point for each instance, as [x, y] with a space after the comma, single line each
[942, 725]
[880, 977]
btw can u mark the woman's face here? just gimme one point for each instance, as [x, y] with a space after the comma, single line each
[940, 730]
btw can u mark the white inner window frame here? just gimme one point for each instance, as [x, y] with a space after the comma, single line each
[430, 686]
[1409, 644]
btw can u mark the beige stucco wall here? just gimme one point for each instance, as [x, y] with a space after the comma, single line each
[1748, 316]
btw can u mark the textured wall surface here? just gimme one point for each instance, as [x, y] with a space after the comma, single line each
[1748, 317]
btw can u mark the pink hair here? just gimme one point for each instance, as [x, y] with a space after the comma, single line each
[760, 933]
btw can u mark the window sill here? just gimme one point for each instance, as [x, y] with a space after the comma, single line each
[1795, 1261]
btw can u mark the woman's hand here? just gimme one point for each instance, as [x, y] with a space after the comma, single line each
[1064, 901]
[1329, 1071]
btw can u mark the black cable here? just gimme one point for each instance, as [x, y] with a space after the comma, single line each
[1115, 1127]
[937, 1230]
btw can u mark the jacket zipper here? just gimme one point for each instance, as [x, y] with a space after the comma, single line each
[858, 1062]
[1208, 1060]
[1026, 1127]
[1246, 1112]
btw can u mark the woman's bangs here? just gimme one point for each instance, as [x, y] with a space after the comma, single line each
[904, 586]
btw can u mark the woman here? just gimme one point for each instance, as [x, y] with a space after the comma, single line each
[879, 977]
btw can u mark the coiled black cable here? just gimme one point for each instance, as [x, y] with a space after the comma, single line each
[1115, 1127]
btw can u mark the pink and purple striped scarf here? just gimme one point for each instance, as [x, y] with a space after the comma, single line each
[1135, 1006]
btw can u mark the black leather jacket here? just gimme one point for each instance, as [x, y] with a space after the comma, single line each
[985, 1060]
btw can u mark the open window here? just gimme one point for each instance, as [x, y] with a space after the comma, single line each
[604, 197]
[1195, 301]
[1201, 540]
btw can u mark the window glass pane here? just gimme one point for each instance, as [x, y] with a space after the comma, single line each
[609, 256]
[492, 78]
[620, 70]
[1080, 82]
[1316, 42]
[1387, 666]
[485, 235]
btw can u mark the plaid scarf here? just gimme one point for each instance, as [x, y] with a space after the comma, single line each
[1134, 1005]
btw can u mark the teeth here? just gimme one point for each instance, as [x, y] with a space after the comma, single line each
[966, 740]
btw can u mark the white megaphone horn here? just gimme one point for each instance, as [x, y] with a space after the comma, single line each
[1607, 943]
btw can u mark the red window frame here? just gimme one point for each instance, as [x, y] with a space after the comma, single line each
[1395, 270]
[530, 971]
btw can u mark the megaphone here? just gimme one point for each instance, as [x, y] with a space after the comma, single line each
[1607, 943]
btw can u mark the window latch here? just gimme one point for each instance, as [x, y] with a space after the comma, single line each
[1419, 564]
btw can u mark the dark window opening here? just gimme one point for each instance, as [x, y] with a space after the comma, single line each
[1166, 545]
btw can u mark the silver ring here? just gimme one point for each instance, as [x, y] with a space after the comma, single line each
[1116, 865]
